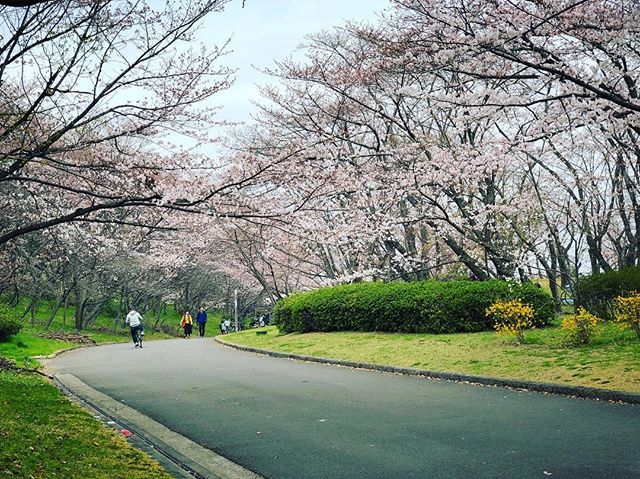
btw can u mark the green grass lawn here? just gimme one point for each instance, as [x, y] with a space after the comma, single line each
[43, 434]
[22, 347]
[612, 361]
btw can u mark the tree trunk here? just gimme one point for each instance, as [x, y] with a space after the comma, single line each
[54, 310]
[29, 308]
[64, 314]
[79, 316]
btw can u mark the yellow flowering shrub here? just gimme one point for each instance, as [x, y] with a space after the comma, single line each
[628, 312]
[579, 328]
[511, 318]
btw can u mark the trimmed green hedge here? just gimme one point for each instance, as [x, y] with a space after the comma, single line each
[9, 322]
[416, 307]
[596, 292]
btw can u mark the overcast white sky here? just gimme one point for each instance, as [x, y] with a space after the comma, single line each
[265, 30]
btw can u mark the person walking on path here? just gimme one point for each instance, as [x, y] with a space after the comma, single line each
[201, 319]
[187, 324]
[134, 320]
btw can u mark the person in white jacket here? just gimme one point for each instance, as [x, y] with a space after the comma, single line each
[134, 320]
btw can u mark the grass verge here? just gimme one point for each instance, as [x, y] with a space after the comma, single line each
[44, 435]
[612, 361]
[23, 346]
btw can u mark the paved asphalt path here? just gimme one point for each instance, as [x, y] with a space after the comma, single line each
[290, 419]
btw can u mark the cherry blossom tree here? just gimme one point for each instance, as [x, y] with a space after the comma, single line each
[384, 148]
[568, 71]
[497, 136]
[89, 90]
[451, 138]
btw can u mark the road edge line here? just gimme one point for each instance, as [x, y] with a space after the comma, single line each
[583, 392]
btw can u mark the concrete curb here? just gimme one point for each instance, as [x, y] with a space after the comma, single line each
[190, 457]
[60, 351]
[534, 386]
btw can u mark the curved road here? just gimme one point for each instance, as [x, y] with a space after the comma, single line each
[290, 419]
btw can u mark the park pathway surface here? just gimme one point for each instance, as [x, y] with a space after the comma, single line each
[290, 419]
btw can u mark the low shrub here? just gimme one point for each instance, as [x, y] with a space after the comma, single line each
[10, 323]
[415, 307]
[580, 328]
[628, 312]
[511, 317]
[597, 292]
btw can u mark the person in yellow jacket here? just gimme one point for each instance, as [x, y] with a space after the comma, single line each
[187, 324]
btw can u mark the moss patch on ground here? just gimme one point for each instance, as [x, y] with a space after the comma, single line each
[612, 361]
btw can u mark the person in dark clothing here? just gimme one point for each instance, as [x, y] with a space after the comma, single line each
[201, 319]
